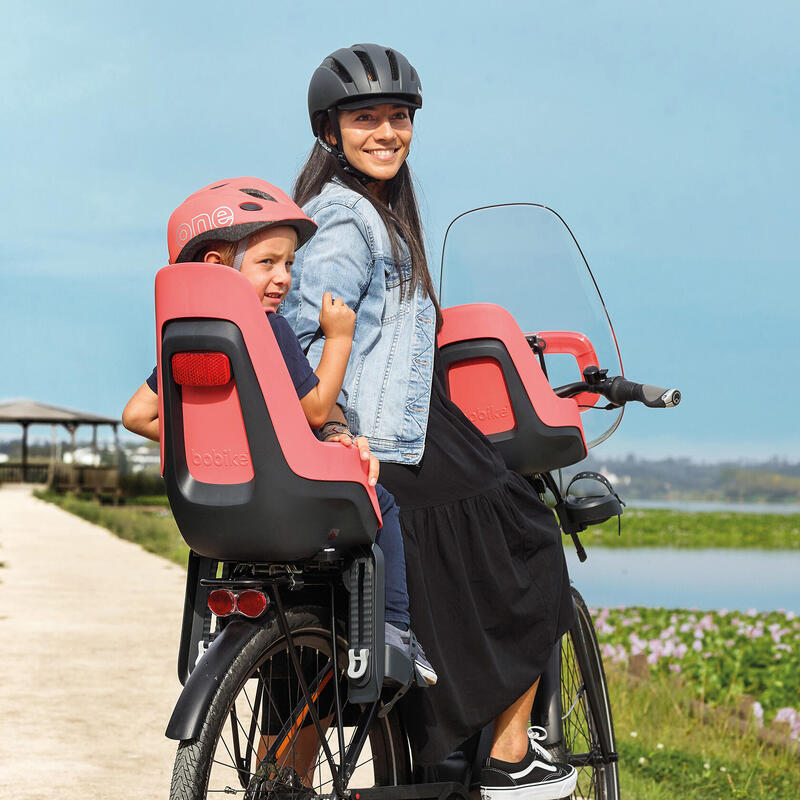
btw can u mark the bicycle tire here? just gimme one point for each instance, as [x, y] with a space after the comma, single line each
[212, 764]
[586, 709]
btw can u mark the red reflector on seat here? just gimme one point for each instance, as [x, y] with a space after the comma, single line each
[201, 369]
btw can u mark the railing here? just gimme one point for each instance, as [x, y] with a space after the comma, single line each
[79, 478]
[14, 472]
[63, 477]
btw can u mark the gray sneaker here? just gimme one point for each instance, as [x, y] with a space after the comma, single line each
[407, 643]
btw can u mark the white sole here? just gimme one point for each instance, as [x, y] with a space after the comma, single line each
[554, 790]
[429, 677]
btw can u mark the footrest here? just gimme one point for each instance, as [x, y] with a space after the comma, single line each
[398, 668]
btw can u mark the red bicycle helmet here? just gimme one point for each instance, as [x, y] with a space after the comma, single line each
[230, 210]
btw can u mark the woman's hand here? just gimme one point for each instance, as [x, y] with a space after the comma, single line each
[362, 443]
[337, 320]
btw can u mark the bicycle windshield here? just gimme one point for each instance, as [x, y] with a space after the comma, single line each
[524, 257]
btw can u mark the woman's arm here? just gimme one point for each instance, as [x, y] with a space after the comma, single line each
[140, 415]
[337, 259]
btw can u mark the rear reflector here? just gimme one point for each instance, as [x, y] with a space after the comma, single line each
[222, 602]
[251, 603]
[201, 369]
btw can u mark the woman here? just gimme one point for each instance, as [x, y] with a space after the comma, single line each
[486, 572]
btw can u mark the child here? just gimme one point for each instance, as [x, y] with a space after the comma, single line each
[252, 226]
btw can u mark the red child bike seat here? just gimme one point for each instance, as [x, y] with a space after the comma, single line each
[246, 477]
[495, 378]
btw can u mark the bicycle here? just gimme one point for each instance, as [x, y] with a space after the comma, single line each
[288, 689]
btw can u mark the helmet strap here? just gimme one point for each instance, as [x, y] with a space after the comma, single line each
[240, 251]
[336, 131]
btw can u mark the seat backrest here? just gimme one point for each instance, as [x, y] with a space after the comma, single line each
[246, 477]
[495, 378]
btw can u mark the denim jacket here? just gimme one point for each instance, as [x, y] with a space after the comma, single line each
[387, 386]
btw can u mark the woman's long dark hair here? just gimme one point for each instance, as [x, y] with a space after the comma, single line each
[400, 212]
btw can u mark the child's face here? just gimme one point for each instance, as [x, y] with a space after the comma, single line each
[267, 264]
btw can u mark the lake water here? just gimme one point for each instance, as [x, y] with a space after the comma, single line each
[705, 579]
[741, 508]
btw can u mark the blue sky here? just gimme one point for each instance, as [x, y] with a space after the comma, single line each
[666, 136]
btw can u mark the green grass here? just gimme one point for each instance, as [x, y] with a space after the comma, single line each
[667, 750]
[155, 531]
[702, 529]
[147, 500]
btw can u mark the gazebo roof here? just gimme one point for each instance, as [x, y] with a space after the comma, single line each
[24, 411]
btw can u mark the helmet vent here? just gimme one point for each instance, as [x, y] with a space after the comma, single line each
[340, 71]
[366, 62]
[218, 186]
[259, 194]
[250, 206]
[393, 65]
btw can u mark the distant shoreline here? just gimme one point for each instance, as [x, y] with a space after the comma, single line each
[710, 506]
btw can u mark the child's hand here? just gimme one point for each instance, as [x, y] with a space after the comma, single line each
[362, 443]
[337, 320]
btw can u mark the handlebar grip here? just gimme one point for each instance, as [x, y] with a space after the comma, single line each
[623, 391]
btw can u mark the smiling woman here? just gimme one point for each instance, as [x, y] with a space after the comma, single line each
[375, 140]
[480, 546]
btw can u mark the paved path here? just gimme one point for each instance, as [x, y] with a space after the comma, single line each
[89, 627]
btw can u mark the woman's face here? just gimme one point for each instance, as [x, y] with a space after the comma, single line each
[376, 140]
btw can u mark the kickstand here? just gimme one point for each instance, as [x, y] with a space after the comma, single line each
[395, 697]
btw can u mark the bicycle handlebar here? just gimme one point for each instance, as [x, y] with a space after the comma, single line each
[622, 391]
[619, 391]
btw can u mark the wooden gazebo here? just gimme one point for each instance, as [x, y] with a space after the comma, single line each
[29, 412]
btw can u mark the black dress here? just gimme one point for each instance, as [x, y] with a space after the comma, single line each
[487, 579]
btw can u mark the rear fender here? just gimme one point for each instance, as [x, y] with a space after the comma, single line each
[198, 692]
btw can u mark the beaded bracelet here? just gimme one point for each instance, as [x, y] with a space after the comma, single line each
[335, 428]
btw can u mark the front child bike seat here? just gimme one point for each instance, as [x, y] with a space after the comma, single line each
[246, 477]
[494, 377]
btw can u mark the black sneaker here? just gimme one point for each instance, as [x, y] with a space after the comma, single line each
[536, 777]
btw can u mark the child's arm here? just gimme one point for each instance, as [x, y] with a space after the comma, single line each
[141, 413]
[338, 323]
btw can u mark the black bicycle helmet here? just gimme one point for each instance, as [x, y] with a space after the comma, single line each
[357, 76]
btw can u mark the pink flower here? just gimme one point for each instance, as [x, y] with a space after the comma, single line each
[758, 712]
[707, 623]
[697, 645]
[604, 628]
[676, 668]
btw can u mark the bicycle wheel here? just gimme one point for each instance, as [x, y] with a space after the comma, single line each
[256, 741]
[586, 709]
